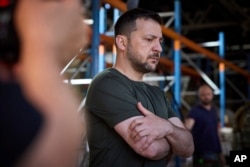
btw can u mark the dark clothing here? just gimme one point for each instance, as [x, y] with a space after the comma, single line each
[112, 98]
[205, 134]
[19, 124]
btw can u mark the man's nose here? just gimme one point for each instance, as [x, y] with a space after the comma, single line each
[157, 47]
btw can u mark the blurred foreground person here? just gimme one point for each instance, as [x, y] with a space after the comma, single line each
[130, 123]
[39, 122]
[203, 121]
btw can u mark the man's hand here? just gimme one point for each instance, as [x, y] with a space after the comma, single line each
[148, 128]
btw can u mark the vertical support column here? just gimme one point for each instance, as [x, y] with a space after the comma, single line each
[102, 18]
[101, 59]
[95, 38]
[222, 78]
[177, 54]
[102, 29]
[177, 61]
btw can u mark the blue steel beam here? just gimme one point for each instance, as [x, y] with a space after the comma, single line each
[102, 29]
[177, 63]
[95, 38]
[177, 53]
[222, 78]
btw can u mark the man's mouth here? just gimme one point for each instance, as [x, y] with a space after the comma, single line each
[155, 58]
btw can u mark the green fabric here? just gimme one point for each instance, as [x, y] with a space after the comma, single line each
[112, 98]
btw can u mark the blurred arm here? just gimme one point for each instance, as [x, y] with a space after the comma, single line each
[45, 29]
[189, 123]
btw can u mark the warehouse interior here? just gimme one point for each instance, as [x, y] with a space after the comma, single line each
[203, 42]
[201, 23]
[212, 33]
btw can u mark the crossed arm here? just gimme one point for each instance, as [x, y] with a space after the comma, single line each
[155, 150]
[154, 137]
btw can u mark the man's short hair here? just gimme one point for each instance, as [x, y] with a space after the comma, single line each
[126, 23]
[204, 85]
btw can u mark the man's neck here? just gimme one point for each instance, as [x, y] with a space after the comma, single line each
[130, 73]
[207, 106]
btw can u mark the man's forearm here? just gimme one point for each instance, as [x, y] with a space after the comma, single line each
[151, 129]
[181, 141]
[157, 150]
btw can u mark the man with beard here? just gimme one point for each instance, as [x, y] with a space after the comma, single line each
[203, 121]
[130, 123]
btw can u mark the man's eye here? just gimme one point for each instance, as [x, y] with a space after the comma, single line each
[149, 40]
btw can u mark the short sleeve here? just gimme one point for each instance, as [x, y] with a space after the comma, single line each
[111, 100]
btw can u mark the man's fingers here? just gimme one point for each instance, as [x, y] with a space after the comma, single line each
[143, 110]
[133, 131]
[147, 142]
[138, 135]
[135, 123]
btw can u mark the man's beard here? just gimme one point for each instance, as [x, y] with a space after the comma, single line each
[137, 64]
[206, 102]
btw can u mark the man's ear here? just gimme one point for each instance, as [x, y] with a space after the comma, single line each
[121, 42]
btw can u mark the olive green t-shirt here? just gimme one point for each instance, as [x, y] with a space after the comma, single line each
[112, 98]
